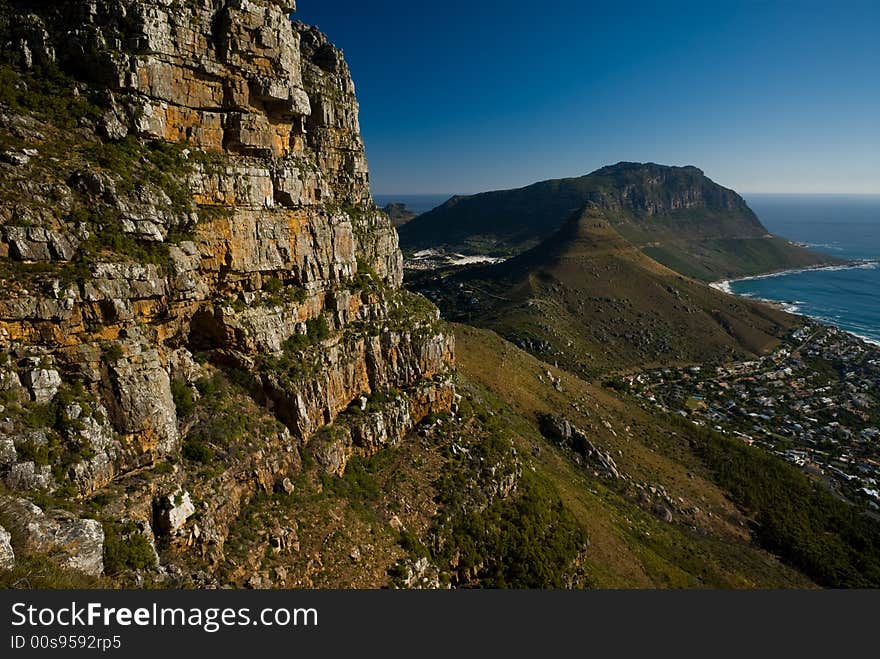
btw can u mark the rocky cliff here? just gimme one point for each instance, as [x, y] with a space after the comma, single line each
[187, 238]
[648, 190]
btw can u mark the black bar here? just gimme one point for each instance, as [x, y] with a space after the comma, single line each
[468, 623]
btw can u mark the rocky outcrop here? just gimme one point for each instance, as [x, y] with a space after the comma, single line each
[73, 543]
[561, 431]
[7, 556]
[649, 189]
[172, 512]
[399, 213]
[43, 383]
[213, 200]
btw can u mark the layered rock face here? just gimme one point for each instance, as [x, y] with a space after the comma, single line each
[200, 204]
[649, 189]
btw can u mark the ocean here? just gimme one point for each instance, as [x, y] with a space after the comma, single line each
[841, 225]
[846, 226]
[417, 203]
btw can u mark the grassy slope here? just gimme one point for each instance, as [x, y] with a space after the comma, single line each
[629, 547]
[708, 544]
[346, 532]
[728, 258]
[592, 302]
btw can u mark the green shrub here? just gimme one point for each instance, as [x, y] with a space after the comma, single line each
[108, 235]
[412, 545]
[42, 415]
[183, 398]
[528, 541]
[101, 500]
[113, 353]
[47, 93]
[317, 329]
[273, 285]
[296, 342]
[297, 294]
[197, 451]
[29, 451]
[209, 386]
[830, 540]
[359, 481]
[220, 419]
[126, 548]
[157, 162]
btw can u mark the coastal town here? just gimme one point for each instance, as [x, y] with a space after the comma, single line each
[813, 402]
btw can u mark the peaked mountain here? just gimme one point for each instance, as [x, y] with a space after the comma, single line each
[591, 301]
[676, 215]
[399, 213]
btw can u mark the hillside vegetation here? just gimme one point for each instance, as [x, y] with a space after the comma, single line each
[751, 504]
[676, 215]
[588, 299]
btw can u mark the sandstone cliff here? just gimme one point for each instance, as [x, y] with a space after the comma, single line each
[185, 221]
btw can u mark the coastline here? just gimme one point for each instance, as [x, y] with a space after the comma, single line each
[725, 286]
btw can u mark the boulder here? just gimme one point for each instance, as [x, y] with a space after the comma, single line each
[15, 158]
[83, 540]
[69, 541]
[556, 428]
[7, 556]
[8, 454]
[141, 401]
[172, 511]
[43, 384]
[663, 513]
[26, 476]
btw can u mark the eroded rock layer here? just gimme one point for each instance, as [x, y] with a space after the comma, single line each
[185, 198]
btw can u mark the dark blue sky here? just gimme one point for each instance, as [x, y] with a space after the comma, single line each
[461, 97]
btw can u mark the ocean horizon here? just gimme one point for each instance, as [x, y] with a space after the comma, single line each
[846, 226]
[417, 203]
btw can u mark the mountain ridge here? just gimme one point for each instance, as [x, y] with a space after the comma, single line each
[588, 298]
[676, 215]
[212, 377]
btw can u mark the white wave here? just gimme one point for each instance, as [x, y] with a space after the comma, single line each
[723, 286]
[795, 307]
[788, 307]
[866, 339]
[726, 284]
[834, 246]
